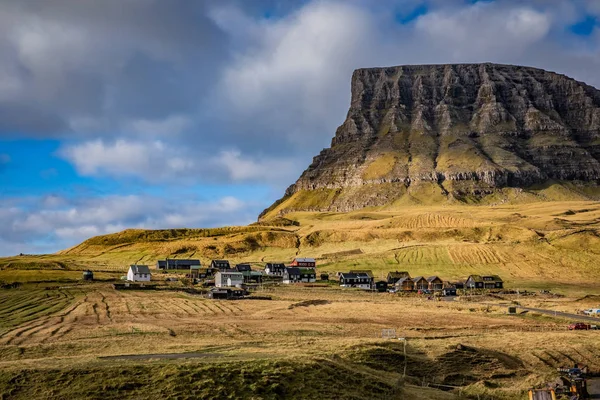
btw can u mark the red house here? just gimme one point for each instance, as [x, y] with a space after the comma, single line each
[304, 262]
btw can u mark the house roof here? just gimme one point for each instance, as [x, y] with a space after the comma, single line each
[195, 266]
[300, 271]
[418, 278]
[433, 278]
[219, 262]
[311, 260]
[354, 275]
[398, 274]
[231, 273]
[252, 273]
[402, 280]
[176, 261]
[479, 278]
[139, 269]
[243, 267]
[363, 271]
[276, 265]
[496, 278]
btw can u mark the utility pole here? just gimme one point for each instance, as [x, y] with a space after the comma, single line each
[403, 339]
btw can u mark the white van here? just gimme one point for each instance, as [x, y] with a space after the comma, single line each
[592, 311]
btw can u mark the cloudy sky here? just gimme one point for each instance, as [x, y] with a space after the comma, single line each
[160, 114]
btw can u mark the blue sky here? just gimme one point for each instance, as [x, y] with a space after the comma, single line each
[151, 114]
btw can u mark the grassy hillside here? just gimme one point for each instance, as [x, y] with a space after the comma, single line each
[390, 196]
[530, 245]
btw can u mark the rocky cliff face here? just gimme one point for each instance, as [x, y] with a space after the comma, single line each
[464, 131]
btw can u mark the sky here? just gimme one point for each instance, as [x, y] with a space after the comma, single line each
[167, 114]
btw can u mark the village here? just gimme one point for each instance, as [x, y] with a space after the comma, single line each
[227, 281]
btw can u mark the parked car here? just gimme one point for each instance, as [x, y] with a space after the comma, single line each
[592, 311]
[579, 326]
[449, 292]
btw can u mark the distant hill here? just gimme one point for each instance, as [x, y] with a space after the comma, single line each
[464, 133]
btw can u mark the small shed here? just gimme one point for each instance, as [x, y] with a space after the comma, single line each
[88, 275]
[381, 286]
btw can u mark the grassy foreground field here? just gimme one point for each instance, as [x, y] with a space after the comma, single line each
[306, 342]
[63, 338]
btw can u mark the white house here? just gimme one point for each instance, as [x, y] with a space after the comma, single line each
[229, 279]
[139, 273]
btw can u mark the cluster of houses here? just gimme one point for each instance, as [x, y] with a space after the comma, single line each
[303, 270]
[226, 275]
[398, 281]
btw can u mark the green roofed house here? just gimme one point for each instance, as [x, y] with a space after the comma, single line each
[484, 282]
[252, 276]
[195, 271]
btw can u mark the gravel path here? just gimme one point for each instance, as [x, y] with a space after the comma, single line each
[161, 356]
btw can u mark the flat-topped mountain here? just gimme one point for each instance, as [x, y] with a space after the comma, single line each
[459, 133]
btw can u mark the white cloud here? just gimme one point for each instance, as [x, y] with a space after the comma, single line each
[56, 222]
[170, 126]
[154, 161]
[483, 30]
[293, 78]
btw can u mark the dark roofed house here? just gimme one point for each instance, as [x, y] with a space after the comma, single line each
[356, 279]
[176, 264]
[243, 267]
[484, 282]
[220, 265]
[405, 284]
[420, 283]
[435, 283]
[364, 271]
[275, 269]
[297, 275]
[394, 276]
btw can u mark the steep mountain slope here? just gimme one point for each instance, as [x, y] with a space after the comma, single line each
[430, 133]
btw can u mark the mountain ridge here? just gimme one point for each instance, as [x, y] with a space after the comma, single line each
[459, 131]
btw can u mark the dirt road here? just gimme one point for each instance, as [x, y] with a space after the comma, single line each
[161, 356]
[578, 317]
